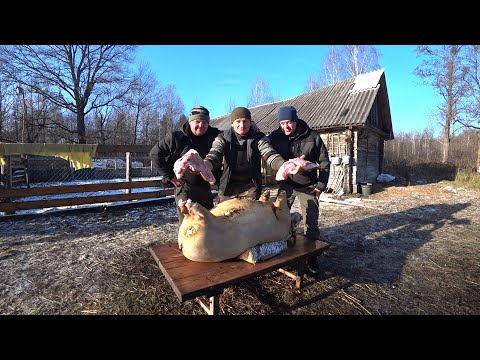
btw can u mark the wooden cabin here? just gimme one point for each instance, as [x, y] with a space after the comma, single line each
[353, 118]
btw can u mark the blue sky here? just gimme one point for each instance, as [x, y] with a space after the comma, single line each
[212, 75]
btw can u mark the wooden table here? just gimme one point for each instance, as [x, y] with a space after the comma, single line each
[190, 279]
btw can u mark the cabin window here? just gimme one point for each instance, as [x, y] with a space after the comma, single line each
[373, 115]
[336, 145]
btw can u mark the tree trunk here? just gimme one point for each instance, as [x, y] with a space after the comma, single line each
[478, 154]
[81, 128]
[446, 141]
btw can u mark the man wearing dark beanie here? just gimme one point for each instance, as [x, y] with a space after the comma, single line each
[292, 139]
[195, 134]
[287, 113]
[240, 113]
[240, 150]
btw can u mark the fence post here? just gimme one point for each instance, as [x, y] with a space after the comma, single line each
[8, 182]
[10, 173]
[3, 177]
[27, 177]
[71, 170]
[127, 170]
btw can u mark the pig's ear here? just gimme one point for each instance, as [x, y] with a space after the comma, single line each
[182, 204]
[265, 197]
[281, 197]
[199, 212]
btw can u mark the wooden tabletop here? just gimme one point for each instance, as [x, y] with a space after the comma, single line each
[190, 279]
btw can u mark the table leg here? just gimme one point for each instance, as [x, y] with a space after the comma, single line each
[213, 304]
[299, 277]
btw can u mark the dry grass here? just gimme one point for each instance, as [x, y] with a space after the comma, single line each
[414, 250]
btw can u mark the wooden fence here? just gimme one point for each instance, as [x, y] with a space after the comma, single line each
[8, 204]
[17, 199]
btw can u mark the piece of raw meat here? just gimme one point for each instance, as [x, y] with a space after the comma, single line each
[192, 162]
[294, 166]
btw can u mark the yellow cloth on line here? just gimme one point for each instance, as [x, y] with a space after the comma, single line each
[80, 155]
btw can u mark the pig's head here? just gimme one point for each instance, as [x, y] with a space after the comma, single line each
[193, 229]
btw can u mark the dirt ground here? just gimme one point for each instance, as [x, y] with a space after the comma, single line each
[402, 250]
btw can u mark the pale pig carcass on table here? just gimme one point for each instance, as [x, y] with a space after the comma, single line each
[232, 227]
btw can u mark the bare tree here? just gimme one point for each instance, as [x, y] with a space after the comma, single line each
[30, 116]
[73, 77]
[102, 116]
[6, 106]
[171, 109]
[39, 118]
[360, 59]
[333, 69]
[119, 127]
[259, 93]
[472, 109]
[343, 62]
[414, 148]
[442, 68]
[140, 100]
[312, 84]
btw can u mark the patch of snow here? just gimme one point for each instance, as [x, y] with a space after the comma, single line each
[452, 189]
[367, 81]
[385, 178]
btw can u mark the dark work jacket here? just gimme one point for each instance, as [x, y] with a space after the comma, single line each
[175, 145]
[224, 153]
[309, 143]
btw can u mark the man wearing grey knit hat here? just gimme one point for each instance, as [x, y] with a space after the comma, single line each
[196, 134]
[292, 139]
[238, 151]
[199, 113]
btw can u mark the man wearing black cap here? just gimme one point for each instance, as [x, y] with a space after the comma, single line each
[240, 150]
[292, 139]
[197, 134]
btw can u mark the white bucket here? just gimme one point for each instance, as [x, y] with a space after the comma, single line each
[335, 160]
[366, 188]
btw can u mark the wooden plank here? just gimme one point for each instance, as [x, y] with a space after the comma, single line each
[26, 205]
[68, 189]
[6, 195]
[190, 279]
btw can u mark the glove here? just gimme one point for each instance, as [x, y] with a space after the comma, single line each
[320, 186]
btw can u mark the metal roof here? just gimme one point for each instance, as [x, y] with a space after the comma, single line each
[343, 104]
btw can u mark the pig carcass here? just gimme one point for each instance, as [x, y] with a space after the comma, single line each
[232, 227]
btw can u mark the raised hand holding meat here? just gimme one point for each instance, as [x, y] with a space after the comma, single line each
[192, 162]
[294, 166]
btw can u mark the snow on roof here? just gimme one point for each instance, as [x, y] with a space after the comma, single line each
[367, 81]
